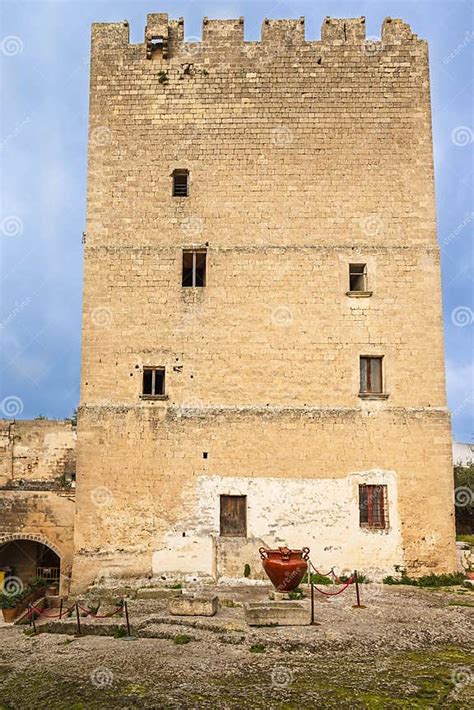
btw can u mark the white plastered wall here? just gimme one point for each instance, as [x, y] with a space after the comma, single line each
[322, 514]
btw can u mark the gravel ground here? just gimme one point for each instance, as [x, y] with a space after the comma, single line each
[408, 648]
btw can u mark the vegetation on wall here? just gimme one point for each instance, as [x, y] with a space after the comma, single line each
[464, 499]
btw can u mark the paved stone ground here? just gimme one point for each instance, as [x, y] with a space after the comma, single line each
[408, 648]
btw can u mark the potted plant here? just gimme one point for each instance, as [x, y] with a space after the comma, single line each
[8, 605]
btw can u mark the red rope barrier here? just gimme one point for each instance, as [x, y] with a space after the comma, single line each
[334, 594]
[331, 572]
[101, 616]
[40, 612]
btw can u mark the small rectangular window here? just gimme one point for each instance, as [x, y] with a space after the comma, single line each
[373, 506]
[371, 375]
[233, 516]
[358, 277]
[194, 268]
[180, 183]
[154, 381]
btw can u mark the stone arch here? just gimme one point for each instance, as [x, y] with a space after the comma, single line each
[9, 537]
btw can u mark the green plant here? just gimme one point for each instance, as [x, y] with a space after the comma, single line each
[316, 578]
[466, 538]
[181, 639]
[429, 580]
[40, 418]
[163, 77]
[296, 594]
[38, 583]
[120, 632]
[73, 418]
[464, 498]
[246, 570]
[29, 631]
[258, 648]
[10, 601]
[177, 585]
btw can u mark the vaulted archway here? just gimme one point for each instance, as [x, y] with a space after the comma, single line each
[28, 557]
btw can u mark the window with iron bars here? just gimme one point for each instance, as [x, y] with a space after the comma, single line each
[180, 183]
[373, 508]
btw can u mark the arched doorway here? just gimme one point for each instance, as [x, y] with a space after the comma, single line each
[26, 559]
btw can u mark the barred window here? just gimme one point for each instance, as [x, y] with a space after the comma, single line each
[373, 506]
[180, 183]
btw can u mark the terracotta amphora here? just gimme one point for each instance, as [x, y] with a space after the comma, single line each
[285, 567]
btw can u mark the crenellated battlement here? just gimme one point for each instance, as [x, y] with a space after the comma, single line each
[164, 38]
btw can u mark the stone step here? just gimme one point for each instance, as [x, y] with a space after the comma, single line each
[277, 613]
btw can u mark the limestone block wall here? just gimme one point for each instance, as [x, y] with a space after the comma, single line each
[303, 157]
[40, 451]
[37, 458]
[157, 513]
[43, 516]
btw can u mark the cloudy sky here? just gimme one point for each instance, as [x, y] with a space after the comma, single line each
[44, 54]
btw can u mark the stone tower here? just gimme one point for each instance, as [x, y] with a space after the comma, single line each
[262, 335]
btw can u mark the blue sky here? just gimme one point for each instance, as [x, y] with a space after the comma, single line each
[44, 51]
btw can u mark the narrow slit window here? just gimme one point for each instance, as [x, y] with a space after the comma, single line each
[180, 183]
[358, 277]
[373, 506]
[194, 268]
[371, 381]
[154, 381]
[233, 516]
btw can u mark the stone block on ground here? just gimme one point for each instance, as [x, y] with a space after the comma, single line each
[194, 606]
[158, 593]
[277, 613]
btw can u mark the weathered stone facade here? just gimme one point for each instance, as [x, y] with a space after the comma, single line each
[37, 474]
[303, 157]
